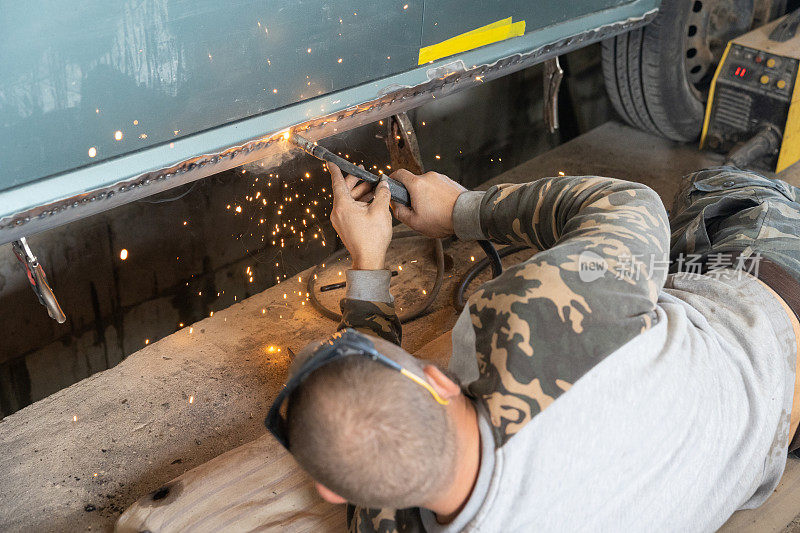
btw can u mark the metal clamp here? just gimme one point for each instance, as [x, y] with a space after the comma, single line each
[401, 140]
[38, 279]
[553, 74]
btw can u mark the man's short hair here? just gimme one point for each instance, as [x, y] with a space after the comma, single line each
[370, 434]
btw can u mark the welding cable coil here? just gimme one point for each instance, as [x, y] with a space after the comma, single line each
[492, 258]
[413, 314]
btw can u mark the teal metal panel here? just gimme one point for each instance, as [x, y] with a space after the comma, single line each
[447, 18]
[74, 73]
[101, 183]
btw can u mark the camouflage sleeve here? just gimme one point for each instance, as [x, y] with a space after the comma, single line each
[373, 318]
[363, 520]
[591, 288]
[368, 305]
[552, 211]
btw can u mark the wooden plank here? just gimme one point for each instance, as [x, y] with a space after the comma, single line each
[257, 486]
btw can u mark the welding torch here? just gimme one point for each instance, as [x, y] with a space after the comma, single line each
[398, 191]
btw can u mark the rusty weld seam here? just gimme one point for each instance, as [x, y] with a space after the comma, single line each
[444, 79]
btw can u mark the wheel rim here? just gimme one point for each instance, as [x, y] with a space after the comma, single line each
[710, 25]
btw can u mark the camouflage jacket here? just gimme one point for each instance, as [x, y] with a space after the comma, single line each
[603, 257]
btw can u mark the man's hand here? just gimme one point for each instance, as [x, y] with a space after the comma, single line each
[433, 196]
[365, 229]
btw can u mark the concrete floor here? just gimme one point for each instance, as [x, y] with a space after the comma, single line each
[75, 460]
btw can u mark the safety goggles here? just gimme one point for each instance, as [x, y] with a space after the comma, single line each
[341, 344]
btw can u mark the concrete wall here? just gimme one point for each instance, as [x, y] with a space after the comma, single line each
[196, 254]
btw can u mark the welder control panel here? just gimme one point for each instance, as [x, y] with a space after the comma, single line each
[758, 70]
[753, 88]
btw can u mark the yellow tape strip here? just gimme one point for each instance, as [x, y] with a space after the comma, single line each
[710, 102]
[491, 33]
[790, 147]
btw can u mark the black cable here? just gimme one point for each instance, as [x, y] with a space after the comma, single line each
[787, 28]
[492, 258]
[766, 142]
[492, 255]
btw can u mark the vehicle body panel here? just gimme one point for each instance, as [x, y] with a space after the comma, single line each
[158, 70]
[209, 89]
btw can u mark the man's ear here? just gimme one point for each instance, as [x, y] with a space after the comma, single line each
[328, 495]
[444, 386]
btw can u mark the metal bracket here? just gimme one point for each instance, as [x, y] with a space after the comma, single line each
[401, 140]
[38, 279]
[553, 74]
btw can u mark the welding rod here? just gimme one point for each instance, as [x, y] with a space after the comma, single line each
[398, 191]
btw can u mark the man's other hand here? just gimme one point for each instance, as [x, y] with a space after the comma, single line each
[433, 197]
[365, 228]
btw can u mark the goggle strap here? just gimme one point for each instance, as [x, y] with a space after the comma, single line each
[422, 383]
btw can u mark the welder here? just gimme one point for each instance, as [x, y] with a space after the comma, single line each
[637, 372]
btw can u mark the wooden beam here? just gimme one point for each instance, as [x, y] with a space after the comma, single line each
[257, 486]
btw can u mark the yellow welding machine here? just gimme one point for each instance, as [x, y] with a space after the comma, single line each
[755, 87]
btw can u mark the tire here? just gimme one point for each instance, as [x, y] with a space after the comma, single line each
[657, 77]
